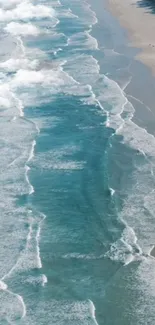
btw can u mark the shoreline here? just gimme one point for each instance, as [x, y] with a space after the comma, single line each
[119, 57]
[139, 22]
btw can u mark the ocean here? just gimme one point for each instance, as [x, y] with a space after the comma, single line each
[76, 171]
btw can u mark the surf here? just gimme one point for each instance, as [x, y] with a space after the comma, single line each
[53, 77]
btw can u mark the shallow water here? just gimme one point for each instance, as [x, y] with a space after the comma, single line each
[77, 174]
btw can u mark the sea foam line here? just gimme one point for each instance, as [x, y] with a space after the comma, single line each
[112, 191]
[92, 310]
[89, 7]
[31, 155]
[3, 286]
[19, 104]
[43, 216]
[27, 168]
[44, 280]
[31, 188]
[20, 298]
[38, 249]
[37, 241]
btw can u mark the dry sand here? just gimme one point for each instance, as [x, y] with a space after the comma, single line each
[140, 23]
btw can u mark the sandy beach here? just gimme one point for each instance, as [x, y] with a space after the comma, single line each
[138, 18]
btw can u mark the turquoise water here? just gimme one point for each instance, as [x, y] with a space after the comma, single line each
[77, 174]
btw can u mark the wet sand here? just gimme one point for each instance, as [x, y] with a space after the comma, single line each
[139, 20]
[119, 59]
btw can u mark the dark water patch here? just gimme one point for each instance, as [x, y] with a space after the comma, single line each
[149, 4]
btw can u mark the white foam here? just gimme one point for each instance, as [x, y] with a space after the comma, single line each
[3, 286]
[6, 96]
[31, 188]
[43, 77]
[9, 4]
[126, 248]
[14, 64]
[26, 10]
[32, 151]
[92, 309]
[9, 100]
[38, 250]
[44, 280]
[48, 81]
[24, 29]
[27, 77]
[89, 256]
[112, 191]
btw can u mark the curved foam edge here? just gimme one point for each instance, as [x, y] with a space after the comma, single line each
[152, 251]
[92, 310]
[44, 280]
[20, 299]
[112, 191]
